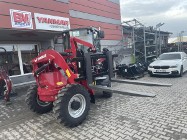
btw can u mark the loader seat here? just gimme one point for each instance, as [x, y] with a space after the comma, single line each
[80, 53]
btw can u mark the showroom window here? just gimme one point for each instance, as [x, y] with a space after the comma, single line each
[17, 59]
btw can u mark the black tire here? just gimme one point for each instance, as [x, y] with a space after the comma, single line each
[151, 75]
[2, 88]
[64, 109]
[35, 104]
[181, 72]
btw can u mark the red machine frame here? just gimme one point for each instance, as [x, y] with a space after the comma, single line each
[55, 80]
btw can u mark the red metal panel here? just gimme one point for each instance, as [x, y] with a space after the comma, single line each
[102, 2]
[97, 5]
[5, 7]
[112, 37]
[50, 7]
[94, 11]
[107, 3]
[83, 22]
[6, 22]
[44, 4]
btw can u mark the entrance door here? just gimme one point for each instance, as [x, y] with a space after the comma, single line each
[27, 53]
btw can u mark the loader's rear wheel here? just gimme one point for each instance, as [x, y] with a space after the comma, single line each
[35, 104]
[72, 105]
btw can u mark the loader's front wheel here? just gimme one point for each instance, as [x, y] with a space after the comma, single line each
[72, 105]
[35, 104]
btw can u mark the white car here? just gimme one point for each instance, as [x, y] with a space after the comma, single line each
[172, 63]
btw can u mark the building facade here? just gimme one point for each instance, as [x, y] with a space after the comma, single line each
[28, 26]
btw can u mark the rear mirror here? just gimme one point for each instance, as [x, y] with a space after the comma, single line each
[101, 34]
[154, 59]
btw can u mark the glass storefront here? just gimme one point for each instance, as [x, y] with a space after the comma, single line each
[16, 59]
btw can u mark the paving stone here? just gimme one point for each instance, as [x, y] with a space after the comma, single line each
[164, 137]
[120, 117]
[104, 137]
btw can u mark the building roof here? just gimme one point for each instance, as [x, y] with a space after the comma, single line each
[177, 39]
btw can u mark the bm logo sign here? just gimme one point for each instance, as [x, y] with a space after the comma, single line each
[21, 19]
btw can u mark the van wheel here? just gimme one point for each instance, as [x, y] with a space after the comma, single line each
[181, 71]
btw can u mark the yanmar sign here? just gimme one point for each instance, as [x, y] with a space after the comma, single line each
[21, 19]
[49, 22]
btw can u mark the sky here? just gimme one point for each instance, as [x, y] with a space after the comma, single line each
[173, 13]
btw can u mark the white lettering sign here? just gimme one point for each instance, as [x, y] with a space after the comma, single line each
[49, 22]
[40, 58]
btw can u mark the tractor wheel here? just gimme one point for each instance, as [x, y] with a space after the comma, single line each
[72, 105]
[35, 104]
[181, 72]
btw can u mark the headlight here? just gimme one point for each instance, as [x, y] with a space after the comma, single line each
[150, 66]
[174, 66]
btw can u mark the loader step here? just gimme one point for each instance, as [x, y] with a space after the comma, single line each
[123, 92]
[140, 82]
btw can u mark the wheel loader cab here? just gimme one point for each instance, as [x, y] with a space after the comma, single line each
[90, 35]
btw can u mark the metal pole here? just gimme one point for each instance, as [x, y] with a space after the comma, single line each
[180, 42]
[159, 41]
[156, 43]
[145, 54]
[123, 40]
[134, 47]
[178, 38]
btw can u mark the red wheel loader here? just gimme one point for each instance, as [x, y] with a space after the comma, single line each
[66, 82]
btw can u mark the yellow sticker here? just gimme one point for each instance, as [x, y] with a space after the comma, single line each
[68, 73]
[59, 83]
